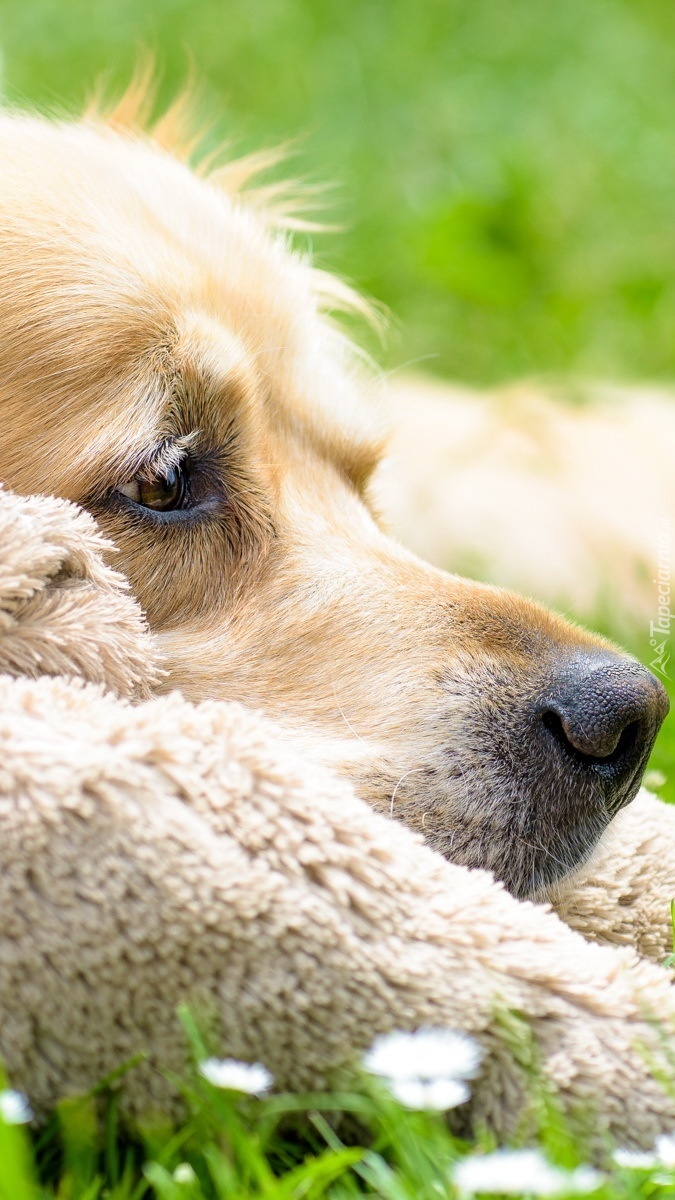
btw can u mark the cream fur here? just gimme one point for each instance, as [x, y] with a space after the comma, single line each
[165, 851]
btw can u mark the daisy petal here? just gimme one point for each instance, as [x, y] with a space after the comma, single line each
[435, 1094]
[512, 1172]
[236, 1076]
[14, 1108]
[427, 1054]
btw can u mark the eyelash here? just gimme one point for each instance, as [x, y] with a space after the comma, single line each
[204, 491]
[170, 452]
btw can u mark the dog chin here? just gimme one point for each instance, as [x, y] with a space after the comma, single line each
[532, 845]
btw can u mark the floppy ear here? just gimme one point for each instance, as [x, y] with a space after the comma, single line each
[63, 611]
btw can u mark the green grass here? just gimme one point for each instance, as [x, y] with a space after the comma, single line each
[282, 1147]
[505, 171]
[234, 1149]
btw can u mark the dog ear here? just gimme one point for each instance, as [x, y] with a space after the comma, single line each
[63, 610]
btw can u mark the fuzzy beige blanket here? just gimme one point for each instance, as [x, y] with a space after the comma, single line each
[154, 852]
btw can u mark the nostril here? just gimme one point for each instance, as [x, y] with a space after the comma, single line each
[600, 715]
[622, 750]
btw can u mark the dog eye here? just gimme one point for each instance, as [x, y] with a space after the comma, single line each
[166, 492]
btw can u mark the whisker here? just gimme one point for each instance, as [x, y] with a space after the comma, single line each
[349, 725]
[412, 771]
[411, 362]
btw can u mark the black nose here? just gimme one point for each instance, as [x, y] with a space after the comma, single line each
[603, 713]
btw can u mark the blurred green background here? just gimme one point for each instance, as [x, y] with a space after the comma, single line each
[505, 169]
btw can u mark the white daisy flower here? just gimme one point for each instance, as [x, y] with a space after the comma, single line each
[583, 1180]
[512, 1172]
[184, 1173]
[14, 1108]
[237, 1076]
[428, 1054]
[665, 1149]
[637, 1160]
[430, 1094]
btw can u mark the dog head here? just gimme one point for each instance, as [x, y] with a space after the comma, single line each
[167, 362]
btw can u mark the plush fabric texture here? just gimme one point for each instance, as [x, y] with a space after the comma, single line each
[154, 852]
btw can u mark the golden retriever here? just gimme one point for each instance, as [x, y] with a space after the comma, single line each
[169, 363]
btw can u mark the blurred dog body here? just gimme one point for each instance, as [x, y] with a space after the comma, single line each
[572, 503]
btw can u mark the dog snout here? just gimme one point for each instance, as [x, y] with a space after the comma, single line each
[602, 714]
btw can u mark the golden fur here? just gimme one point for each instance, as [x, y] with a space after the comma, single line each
[148, 316]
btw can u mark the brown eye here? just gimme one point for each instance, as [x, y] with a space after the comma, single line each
[162, 494]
